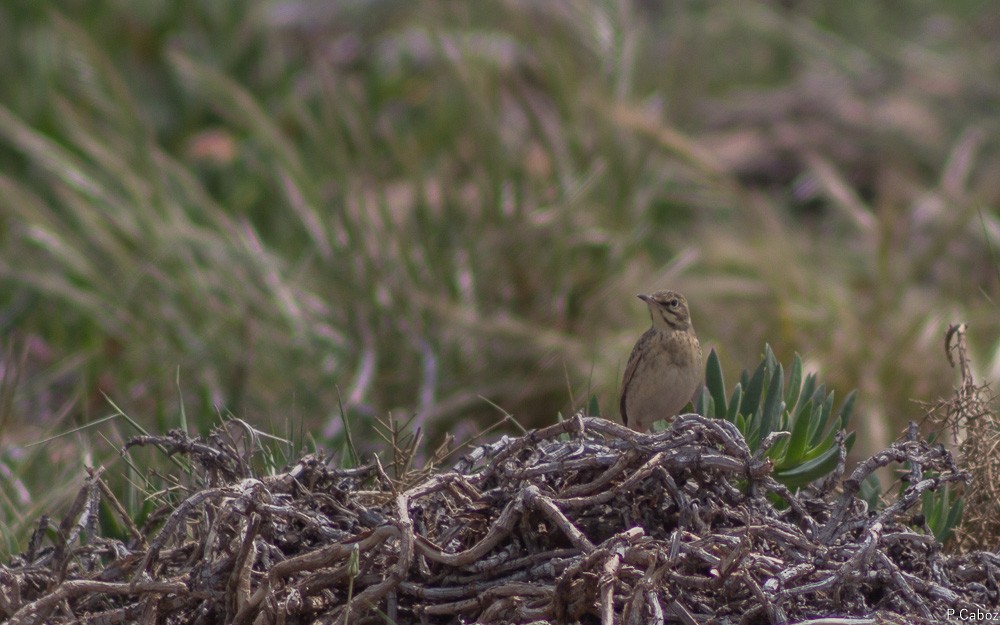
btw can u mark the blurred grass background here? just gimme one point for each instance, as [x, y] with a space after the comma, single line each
[442, 210]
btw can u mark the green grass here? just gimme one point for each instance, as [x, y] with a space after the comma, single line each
[436, 210]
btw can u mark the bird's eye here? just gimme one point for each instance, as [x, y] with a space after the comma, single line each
[673, 303]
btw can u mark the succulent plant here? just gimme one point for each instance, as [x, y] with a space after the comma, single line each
[762, 403]
[942, 510]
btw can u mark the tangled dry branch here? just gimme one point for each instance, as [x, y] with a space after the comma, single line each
[581, 522]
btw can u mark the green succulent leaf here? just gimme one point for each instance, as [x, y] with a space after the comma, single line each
[769, 359]
[941, 513]
[820, 417]
[827, 409]
[871, 492]
[735, 402]
[794, 381]
[930, 505]
[779, 450]
[772, 404]
[808, 388]
[816, 407]
[844, 414]
[753, 433]
[593, 408]
[715, 383]
[812, 451]
[954, 515]
[754, 388]
[800, 435]
[708, 404]
[701, 406]
[799, 476]
[802, 474]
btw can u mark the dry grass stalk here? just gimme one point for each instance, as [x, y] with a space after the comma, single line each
[975, 425]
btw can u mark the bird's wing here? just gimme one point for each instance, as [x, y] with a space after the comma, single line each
[630, 368]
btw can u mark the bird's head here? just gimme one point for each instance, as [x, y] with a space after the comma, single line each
[668, 309]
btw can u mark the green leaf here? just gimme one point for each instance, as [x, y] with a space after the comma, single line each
[808, 388]
[815, 449]
[753, 434]
[813, 419]
[802, 474]
[818, 425]
[769, 359]
[778, 451]
[828, 408]
[800, 435]
[844, 414]
[754, 387]
[734, 403]
[930, 506]
[954, 514]
[794, 381]
[707, 403]
[593, 408]
[715, 382]
[871, 491]
[773, 404]
[808, 471]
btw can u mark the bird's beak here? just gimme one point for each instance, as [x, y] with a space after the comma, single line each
[643, 297]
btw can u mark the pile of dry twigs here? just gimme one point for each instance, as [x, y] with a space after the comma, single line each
[581, 522]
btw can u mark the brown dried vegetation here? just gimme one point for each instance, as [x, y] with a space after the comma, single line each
[580, 522]
[974, 424]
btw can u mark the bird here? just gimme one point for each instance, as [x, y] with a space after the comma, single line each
[664, 369]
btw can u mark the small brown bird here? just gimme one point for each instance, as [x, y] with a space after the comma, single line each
[664, 370]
